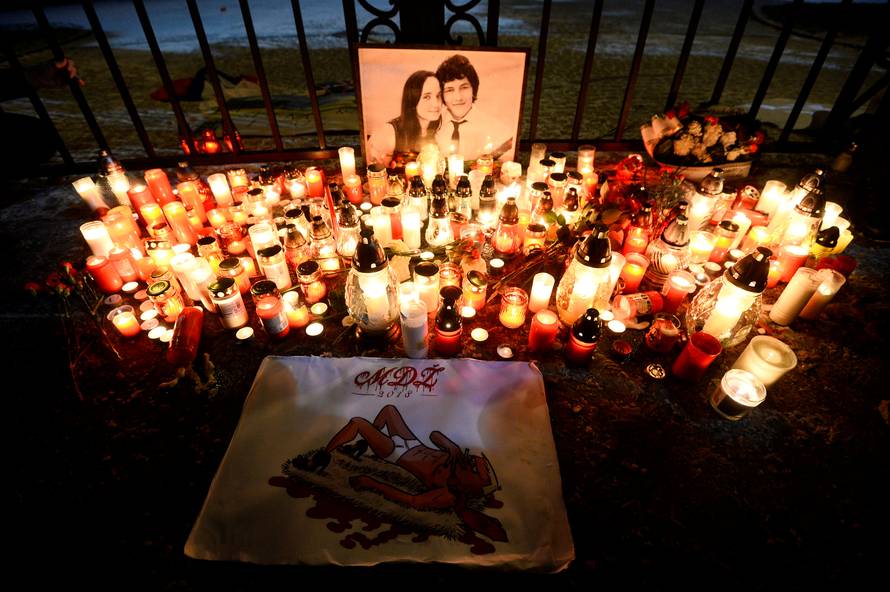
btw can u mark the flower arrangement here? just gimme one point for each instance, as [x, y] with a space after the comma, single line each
[682, 138]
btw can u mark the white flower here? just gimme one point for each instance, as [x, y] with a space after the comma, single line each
[728, 139]
[694, 128]
[683, 145]
[712, 134]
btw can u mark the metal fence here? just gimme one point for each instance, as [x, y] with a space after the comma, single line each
[413, 22]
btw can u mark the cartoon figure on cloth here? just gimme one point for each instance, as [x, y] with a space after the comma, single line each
[451, 477]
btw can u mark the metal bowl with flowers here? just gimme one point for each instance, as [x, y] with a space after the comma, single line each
[695, 143]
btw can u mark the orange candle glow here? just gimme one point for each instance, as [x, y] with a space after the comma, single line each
[352, 186]
[791, 257]
[152, 214]
[159, 185]
[449, 275]
[314, 182]
[514, 304]
[775, 273]
[188, 194]
[412, 169]
[545, 325]
[757, 236]
[633, 271]
[124, 320]
[636, 242]
[217, 217]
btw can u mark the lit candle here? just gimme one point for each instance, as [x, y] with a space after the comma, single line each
[411, 225]
[842, 224]
[449, 275]
[724, 317]
[744, 223]
[586, 155]
[217, 217]
[96, 235]
[542, 289]
[479, 334]
[701, 243]
[475, 288]
[177, 218]
[633, 271]
[107, 278]
[296, 311]
[415, 329]
[767, 358]
[615, 267]
[314, 329]
[455, 168]
[775, 273]
[159, 185]
[843, 242]
[120, 184]
[347, 161]
[426, 283]
[664, 333]
[219, 186]
[757, 236]
[545, 325]
[772, 195]
[352, 186]
[382, 226]
[737, 394]
[514, 303]
[297, 187]
[237, 178]
[90, 194]
[678, 285]
[831, 282]
[374, 294]
[791, 257]
[701, 349]
[124, 320]
[140, 196]
[636, 242]
[412, 169]
[832, 212]
[314, 182]
[795, 296]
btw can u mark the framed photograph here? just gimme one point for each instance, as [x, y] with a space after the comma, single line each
[466, 101]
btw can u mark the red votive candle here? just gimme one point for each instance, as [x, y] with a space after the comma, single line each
[791, 257]
[633, 270]
[352, 187]
[701, 349]
[636, 242]
[447, 343]
[159, 185]
[186, 336]
[678, 285]
[314, 182]
[105, 274]
[140, 195]
[545, 325]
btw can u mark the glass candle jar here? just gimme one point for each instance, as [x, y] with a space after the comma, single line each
[231, 239]
[227, 298]
[273, 264]
[426, 284]
[311, 282]
[726, 235]
[507, 240]
[737, 394]
[542, 290]
[96, 235]
[413, 316]
[701, 243]
[159, 185]
[514, 304]
[295, 308]
[323, 248]
[208, 248]
[633, 270]
[767, 358]
[664, 333]
[795, 296]
[701, 349]
[124, 320]
[123, 262]
[545, 326]
[104, 273]
[449, 275]
[234, 269]
[167, 300]
[535, 238]
[270, 308]
[556, 185]
[475, 289]
[377, 183]
[177, 218]
[160, 251]
[679, 284]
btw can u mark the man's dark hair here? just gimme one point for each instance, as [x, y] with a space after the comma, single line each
[455, 68]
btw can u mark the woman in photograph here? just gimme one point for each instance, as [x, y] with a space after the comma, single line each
[420, 118]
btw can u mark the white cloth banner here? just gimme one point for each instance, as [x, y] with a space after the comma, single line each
[358, 461]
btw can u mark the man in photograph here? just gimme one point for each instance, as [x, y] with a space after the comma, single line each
[466, 129]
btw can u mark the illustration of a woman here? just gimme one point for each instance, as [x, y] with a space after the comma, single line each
[451, 476]
[420, 118]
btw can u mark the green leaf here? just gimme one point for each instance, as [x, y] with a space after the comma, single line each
[610, 216]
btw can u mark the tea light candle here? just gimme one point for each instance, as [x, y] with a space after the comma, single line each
[479, 334]
[352, 186]
[496, 265]
[90, 194]
[514, 303]
[831, 283]
[832, 212]
[738, 393]
[791, 257]
[319, 308]
[617, 327]
[795, 296]
[633, 271]
[314, 182]
[772, 195]
[219, 186]
[124, 320]
[96, 235]
[314, 329]
[467, 312]
[542, 289]
[678, 285]
[156, 331]
[148, 314]
[545, 325]
[347, 161]
[159, 185]
[767, 358]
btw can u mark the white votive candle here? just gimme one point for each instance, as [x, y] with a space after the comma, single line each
[767, 358]
[772, 194]
[219, 185]
[96, 235]
[90, 193]
[347, 161]
[542, 288]
[738, 393]
[832, 212]
[795, 296]
[831, 282]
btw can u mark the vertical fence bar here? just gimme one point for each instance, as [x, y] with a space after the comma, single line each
[684, 54]
[162, 70]
[307, 72]
[858, 74]
[588, 66]
[351, 31]
[261, 73]
[539, 69]
[774, 59]
[74, 85]
[38, 105]
[494, 16]
[118, 78]
[648, 9]
[212, 74]
[731, 51]
[813, 74]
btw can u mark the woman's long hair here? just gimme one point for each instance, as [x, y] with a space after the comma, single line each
[408, 133]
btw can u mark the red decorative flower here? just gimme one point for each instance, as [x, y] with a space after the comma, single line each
[683, 109]
[753, 148]
[711, 119]
[70, 273]
[53, 280]
[759, 137]
[670, 114]
[33, 287]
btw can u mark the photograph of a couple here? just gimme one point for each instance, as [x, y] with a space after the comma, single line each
[467, 102]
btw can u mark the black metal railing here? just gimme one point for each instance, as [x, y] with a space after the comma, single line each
[426, 21]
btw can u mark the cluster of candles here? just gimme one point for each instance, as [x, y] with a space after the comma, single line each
[282, 235]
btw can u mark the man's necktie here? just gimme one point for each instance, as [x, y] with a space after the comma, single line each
[455, 135]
